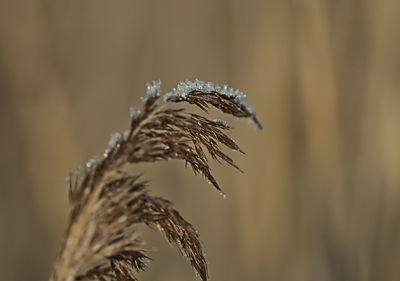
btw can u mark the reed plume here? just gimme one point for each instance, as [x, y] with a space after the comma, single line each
[100, 242]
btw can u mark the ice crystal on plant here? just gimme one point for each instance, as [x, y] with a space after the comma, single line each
[126, 134]
[134, 111]
[165, 146]
[218, 190]
[83, 171]
[221, 123]
[254, 125]
[107, 152]
[68, 180]
[114, 139]
[93, 161]
[153, 89]
[186, 87]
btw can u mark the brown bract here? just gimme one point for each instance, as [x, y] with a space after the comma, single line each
[100, 242]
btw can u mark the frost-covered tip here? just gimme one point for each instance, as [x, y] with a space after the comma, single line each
[134, 111]
[254, 124]
[165, 146]
[126, 134]
[93, 161]
[82, 172]
[185, 87]
[68, 180]
[186, 256]
[183, 251]
[114, 139]
[153, 89]
[221, 123]
[107, 152]
[218, 190]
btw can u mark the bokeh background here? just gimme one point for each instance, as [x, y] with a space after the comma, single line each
[320, 197]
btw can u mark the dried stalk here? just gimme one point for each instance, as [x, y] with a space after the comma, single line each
[100, 242]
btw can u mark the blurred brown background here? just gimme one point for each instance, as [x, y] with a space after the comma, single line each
[320, 197]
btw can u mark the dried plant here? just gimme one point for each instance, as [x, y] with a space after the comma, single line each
[100, 242]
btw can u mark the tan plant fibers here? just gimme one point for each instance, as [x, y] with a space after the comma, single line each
[100, 242]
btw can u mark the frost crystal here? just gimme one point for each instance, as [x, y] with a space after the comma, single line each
[183, 251]
[186, 87]
[82, 173]
[254, 125]
[107, 152]
[68, 180]
[187, 258]
[165, 146]
[126, 134]
[134, 111]
[114, 139]
[220, 192]
[221, 122]
[93, 161]
[153, 89]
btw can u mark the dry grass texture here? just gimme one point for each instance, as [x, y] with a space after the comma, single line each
[319, 199]
[100, 241]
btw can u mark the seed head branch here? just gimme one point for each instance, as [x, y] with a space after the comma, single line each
[100, 242]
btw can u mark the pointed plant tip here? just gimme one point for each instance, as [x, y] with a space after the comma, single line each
[153, 90]
[255, 124]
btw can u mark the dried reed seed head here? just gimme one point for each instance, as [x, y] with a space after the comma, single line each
[100, 243]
